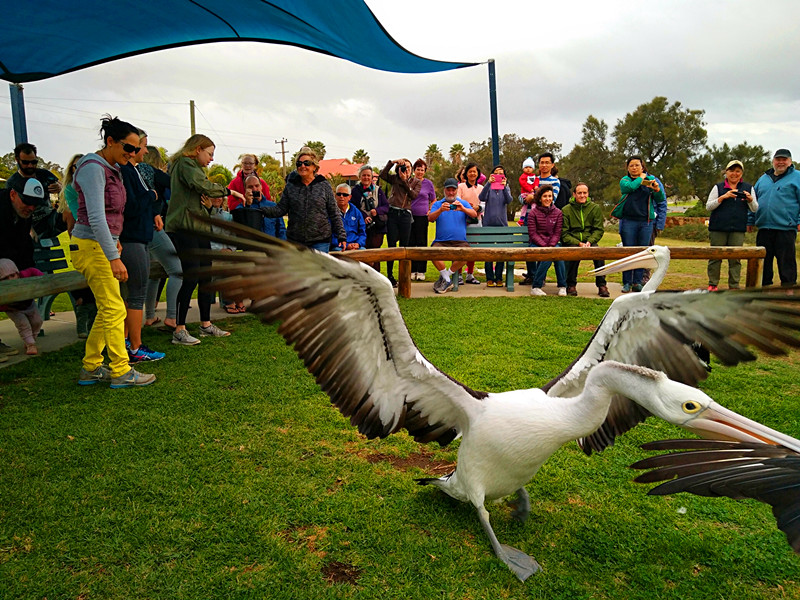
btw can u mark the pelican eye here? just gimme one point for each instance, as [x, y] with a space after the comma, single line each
[691, 407]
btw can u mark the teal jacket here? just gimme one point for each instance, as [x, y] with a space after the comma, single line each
[778, 200]
[582, 223]
[631, 190]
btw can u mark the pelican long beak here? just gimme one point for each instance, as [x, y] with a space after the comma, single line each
[641, 260]
[719, 423]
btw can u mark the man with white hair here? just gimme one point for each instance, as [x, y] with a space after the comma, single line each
[353, 220]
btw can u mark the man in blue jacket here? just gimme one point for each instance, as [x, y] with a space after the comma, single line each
[352, 219]
[778, 217]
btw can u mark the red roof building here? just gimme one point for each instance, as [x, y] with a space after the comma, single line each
[339, 166]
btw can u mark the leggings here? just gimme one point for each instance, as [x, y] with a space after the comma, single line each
[137, 261]
[162, 250]
[419, 237]
[398, 230]
[182, 242]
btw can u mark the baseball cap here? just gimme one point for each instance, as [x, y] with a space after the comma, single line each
[31, 191]
[735, 163]
[451, 183]
[782, 153]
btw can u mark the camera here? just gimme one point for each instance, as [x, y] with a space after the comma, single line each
[453, 206]
[740, 196]
[256, 195]
[402, 168]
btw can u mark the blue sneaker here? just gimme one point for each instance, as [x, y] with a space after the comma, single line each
[144, 354]
[626, 288]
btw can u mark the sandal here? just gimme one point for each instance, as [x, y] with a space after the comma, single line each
[231, 309]
[241, 309]
[153, 322]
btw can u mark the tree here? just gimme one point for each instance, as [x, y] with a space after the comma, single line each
[594, 163]
[668, 137]
[220, 174]
[8, 166]
[457, 154]
[360, 156]
[433, 155]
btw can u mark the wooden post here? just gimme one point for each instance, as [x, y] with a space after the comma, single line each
[754, 268]
[404, 278]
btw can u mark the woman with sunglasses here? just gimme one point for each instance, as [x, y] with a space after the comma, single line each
[96, 253]
[314, 217]
[191, 193]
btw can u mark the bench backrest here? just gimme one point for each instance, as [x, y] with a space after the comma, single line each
[504, 237]
[49, 256]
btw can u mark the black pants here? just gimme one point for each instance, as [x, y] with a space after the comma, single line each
[398, 230]
[419, 237]
[779, 245]
[182, 242]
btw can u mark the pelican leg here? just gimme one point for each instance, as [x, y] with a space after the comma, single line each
[523, 505]
[520, 563]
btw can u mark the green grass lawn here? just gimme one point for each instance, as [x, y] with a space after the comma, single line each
[233, 477]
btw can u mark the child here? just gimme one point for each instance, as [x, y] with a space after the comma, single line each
[219, 211]
[528, 182]
[25, 314]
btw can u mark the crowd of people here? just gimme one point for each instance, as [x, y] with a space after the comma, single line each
[124, 205]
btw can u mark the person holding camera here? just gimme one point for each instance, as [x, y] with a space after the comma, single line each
[398, 224]
[450, 215]
[248, 212]
[495, 197]
[470, 190]
[370, 199]
[636, 212]
[729, 203]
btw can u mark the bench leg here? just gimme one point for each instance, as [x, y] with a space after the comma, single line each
[510, 276]
[454, 278]
[754, 272]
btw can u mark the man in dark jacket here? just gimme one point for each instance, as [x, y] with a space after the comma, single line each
[583, 227]
[17, 204]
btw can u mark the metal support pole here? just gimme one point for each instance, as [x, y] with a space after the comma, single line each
[18, 113]
[493, 113]
[191, 116]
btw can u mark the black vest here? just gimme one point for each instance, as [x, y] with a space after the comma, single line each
[731, 215]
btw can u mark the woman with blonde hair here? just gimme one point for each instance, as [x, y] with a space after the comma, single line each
[191, 191]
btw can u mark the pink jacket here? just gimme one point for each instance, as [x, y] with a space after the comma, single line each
[544, 225]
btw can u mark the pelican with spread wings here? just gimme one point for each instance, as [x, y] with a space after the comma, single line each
[376, 376]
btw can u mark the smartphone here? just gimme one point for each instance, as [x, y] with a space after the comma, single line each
[497, 182]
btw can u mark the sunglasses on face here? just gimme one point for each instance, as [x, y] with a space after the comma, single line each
[342, 194]
[130, 148]
[32, 163]
[304, 163]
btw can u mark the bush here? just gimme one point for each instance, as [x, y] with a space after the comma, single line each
[698, 210]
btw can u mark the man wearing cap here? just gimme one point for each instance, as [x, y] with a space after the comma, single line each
[730, 203]
[778, 217]
[17, 204]
[450, 215]
[47, 222]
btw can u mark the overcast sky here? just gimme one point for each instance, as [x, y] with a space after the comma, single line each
[557, 62]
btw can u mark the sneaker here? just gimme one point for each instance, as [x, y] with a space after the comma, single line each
[420, 276]
[626, 288]
[490, 283]
[132, 379]
[526, 280]
[471, 279]
[31, 349]
[3, 358]
[637, 287]
[562, 291]
[393, 281]
[572, 290]
[460, 279]
[184, 338]
[713, 288]
[128, 345]
[213, 331]
[100, 375]
[442, 285]
[603, 292]
[144, 354]
[8, 350]
[537, 292]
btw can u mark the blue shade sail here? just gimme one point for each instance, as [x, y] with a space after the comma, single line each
[49, 38]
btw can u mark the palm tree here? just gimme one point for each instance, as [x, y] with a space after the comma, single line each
[457, 154]
[360, 156]
[433, 154]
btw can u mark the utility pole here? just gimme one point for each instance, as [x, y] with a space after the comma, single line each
[191, 116]
[282, 142]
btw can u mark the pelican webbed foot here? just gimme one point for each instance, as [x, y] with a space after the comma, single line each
[522, 565]
[522, 507]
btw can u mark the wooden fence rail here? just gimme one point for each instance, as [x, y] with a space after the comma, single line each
[35, 287]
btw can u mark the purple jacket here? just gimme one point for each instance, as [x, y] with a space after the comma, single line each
[426, 196]
[544, 225]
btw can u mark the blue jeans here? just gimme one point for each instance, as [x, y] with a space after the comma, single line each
[494, 271]
[635, 233]
[542, 268]
[320, 247]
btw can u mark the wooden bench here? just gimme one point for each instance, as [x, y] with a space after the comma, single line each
[49, 257]
[497, 237]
